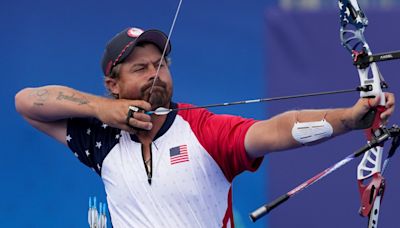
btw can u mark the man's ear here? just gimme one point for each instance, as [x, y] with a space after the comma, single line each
[112, 85]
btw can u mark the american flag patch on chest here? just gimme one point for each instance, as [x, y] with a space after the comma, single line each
[179, 154]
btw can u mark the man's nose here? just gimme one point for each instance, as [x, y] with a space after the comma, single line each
[152, 71]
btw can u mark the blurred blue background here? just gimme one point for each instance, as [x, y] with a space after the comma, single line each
[221, 51]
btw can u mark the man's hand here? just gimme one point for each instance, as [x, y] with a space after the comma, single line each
[115, 114]
[357, 116]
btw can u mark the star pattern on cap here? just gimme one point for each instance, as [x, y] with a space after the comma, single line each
[68, 138]
[88, 131]
[98, 145]
[104, 125]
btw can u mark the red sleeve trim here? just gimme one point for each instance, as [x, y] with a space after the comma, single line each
[223, 138]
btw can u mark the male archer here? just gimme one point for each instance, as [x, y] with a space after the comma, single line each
[172, 170]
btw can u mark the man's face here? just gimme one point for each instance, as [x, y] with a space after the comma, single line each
[137, 74]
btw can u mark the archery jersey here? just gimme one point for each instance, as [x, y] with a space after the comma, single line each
[195, 156]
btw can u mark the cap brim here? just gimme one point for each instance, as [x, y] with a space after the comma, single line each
[157, 37]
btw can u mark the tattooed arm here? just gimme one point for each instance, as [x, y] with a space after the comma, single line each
[48, 108]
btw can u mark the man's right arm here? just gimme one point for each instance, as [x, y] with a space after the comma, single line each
[48, 108]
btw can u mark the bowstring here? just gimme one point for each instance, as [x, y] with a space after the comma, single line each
[166, 46]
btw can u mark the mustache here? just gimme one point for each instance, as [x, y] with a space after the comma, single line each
[149, 84]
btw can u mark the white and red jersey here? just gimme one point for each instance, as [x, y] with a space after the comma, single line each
[195, 156]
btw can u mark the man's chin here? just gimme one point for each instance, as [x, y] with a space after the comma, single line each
[159, 101]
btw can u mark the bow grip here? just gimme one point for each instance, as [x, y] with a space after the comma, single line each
[373, 119]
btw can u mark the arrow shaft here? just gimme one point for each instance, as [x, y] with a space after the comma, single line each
[164, 112]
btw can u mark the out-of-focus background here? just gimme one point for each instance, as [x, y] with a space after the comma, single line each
[221, 51]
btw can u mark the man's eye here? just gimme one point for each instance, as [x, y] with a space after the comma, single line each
[138, 69]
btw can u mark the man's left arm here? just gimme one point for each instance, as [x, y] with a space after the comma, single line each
[275, 134]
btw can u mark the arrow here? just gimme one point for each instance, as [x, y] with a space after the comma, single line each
[164, 111]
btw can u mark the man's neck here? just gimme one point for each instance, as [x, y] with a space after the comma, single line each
[146, 137]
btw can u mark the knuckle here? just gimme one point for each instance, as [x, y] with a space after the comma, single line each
[133, 122]
[146, 105]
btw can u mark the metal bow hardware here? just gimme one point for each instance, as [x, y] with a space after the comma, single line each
[369, 172]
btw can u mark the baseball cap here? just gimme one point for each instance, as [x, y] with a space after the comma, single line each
[122, 44]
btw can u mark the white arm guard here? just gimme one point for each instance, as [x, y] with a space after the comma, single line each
[311, 131]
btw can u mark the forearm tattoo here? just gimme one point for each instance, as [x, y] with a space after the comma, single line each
[40, 96]
[72, 98]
